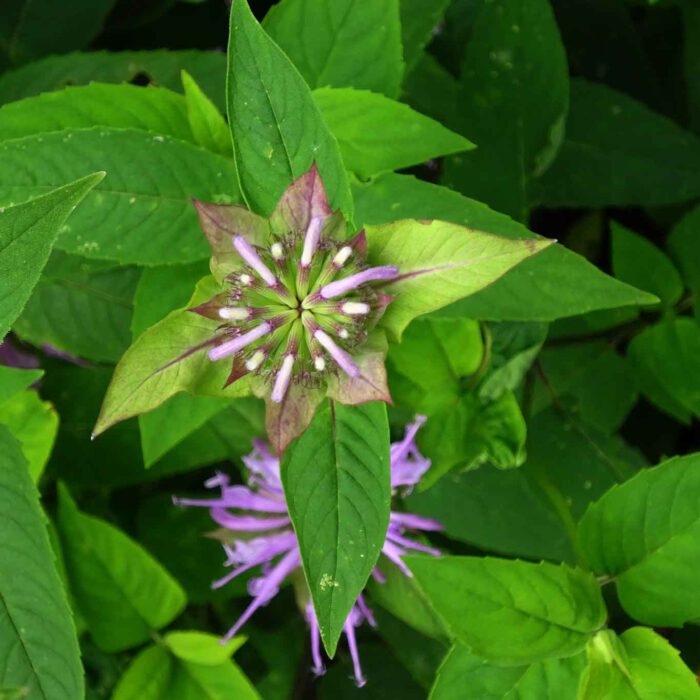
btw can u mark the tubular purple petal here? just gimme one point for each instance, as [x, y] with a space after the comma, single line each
[245, 523]
[349, 629]
[335, 289]
[313, 233]
[342, 358]
[247, 252]
[415, 522]
[231, 347]
[366, 611]
[411, 544]
[318, 667]
[283, 378]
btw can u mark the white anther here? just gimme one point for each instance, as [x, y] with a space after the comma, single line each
[254, 362]
[341, 257]
[354, 308]
[233, 313]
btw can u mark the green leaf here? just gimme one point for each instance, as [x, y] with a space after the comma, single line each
[38, 645]
[175, 672]
[142, 211]
[464, 676]
[556, 283]
[639, 665]
[514, 100]
[33, 28]
[27, 233]
[419, 18]
[691, 61]
[34, 423]
[123, 593]
[440, 263]
[171, 423]
[661, 507]
[208, 125]
[683, 246]
[163, 67]
[341, 43]
[13, 380]
[82, 307]
[666, 360]
[470, 433]
[161, 363]
[336, 482]
[376, 134]
[639, 262]
[617, 152]
[118, 106]
[512, 612]
[277, 129]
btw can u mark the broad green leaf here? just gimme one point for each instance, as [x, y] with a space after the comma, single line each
[163, 289]
[13, 380]
[440, 263]
[142, 211]
[639, 262]
[208, 125]
[82, 307]
[34, 423]
[171, 672]
[514, 100]
[600, 381]
[666, 360]
[123, 593]
[684, 248]
[119, 106]
[464, 676]
[691, 61]
[171, 423]
[617, 152]
[277, 129]
[161, 363]
[512, 612]
[472, 432]
[38, 646]
[556, 283]
[336, 482]
[644, 533]
[639, 665]
[33, 28]
[163, 68]
[341, 43]
[27, 233]
[376, 134]
[419, 18]
[201, 648]
[512, 349]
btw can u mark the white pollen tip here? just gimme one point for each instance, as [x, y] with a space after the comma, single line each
[341, 257]
[231, 313]
[277, 251]
[319, 363]
[246, 279]
[283, 377]
[255, 361]
[343, 333]
[354, 308]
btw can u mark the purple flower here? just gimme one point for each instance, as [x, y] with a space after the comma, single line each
[260, 507]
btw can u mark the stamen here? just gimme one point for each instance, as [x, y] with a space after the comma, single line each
[341, 257]
[342, 358]
[247, 252]
[355, 308]
[234, 313]
[255, 361]
[344, 333]
[233, 346]
[283, 378]
[319, 363]
[335, 289]
[245, 279]
[313, 233]
[277, 251]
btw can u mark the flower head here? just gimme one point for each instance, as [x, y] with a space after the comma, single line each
[298, 302]
[260, 507]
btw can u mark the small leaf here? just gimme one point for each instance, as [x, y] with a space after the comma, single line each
[376, 134]
[336, 482]
[419, 19]
[208, 126]
[683, 246]
[640, 263]
[662, 507]
[147, 677]
[440, 263]
[341, 43]
[123, 593]
[142, 211]
[38, 645]
[201, 648]
[277, 129]
[27, 233]
[512, 612]
[13, 380]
